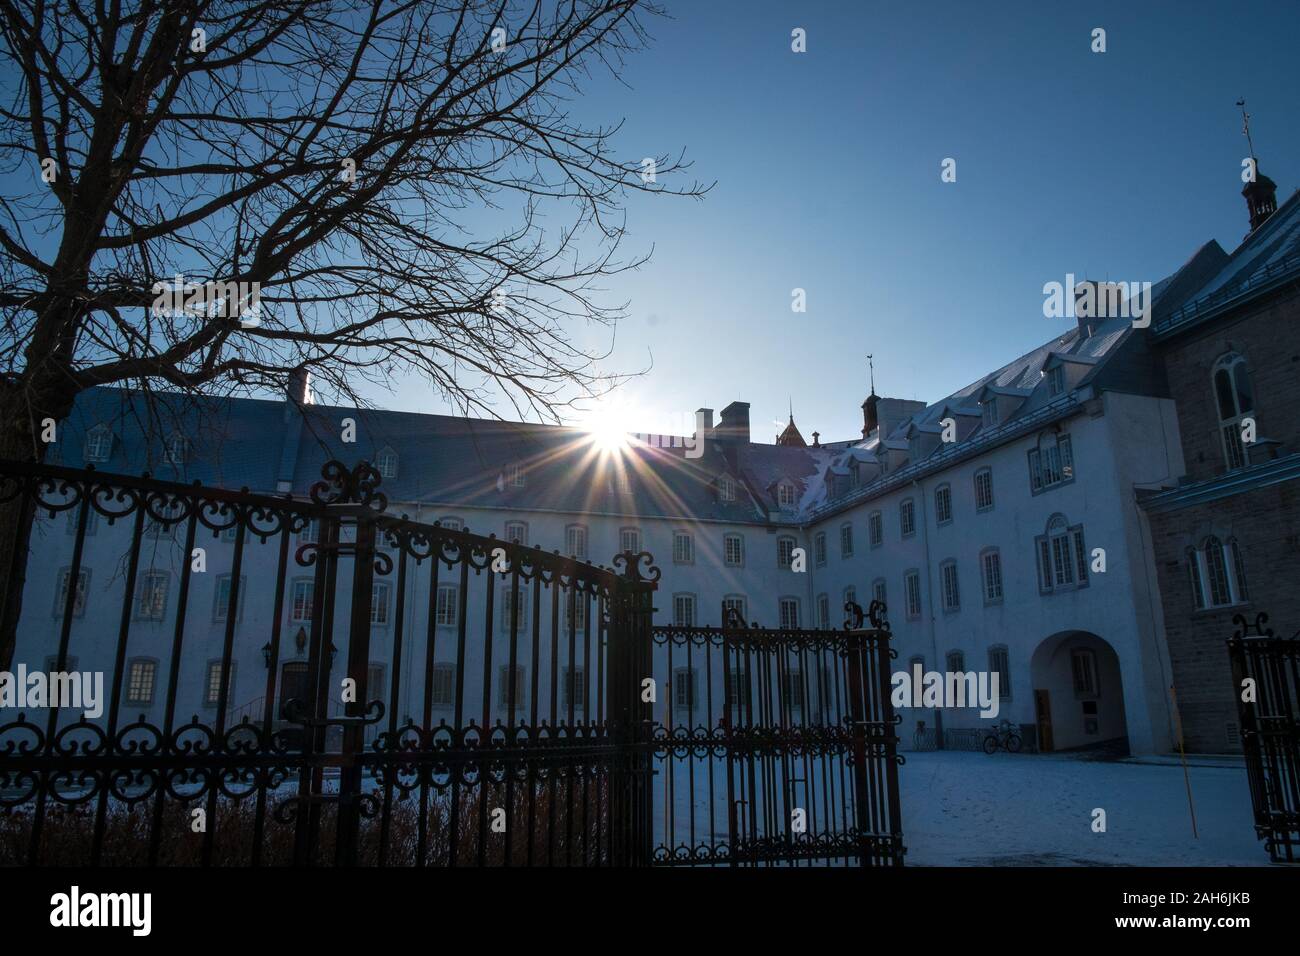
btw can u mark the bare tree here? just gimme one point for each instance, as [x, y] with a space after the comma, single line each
[400, 184]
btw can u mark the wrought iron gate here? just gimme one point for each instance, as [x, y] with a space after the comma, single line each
[1270, 731]
[504, 729]
[776, 746]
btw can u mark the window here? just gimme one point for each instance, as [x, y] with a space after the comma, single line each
[907, 518]
[948, 579]
[514, 608]
[623, 481]
[151, 601]
[991, 569]
[74, 518]
[78, 600]
[823, 611]
[684, 688]
[212, 686]
[943, 504]
[168, 512]
[515, 475]
[52, 664]
[1055, 380]
[789, 608]
[733, 550]
[912, 594]
[575, 613]
[683, 548]
[846, 540]
[1062, 559]
[983, 489]
[140, 678]
[1218, 573]
[1083, 665]
[300, 603]
[446, 613]
[955, 662]
[684, 610]
[99, 444]
[379, 592]
[575, 540]
[375, 682]
[875, 529]
[850, 597]
[517, 532]
[737, 603]
[819, 548]
[504, 687]
[989, 409]
[1000, 664]
[784, 551]
[629, 539]
[310, 533]
[878, 591]
[575, 688]
[785, 495]
[221, 598]
[726, 488]
[452, 524]
[792, 690]
[386, 462]
[175, 449]
[1051, 462]
[444, 685]
[1235, 401]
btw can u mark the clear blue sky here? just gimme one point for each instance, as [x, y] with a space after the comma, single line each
[827, 165]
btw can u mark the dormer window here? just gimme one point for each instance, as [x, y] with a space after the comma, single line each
[726, 488]
[990, 409]
[785, 496]
[99, 443]
[1055, 380]
[515, 476]
[386, 462]
[175, 449]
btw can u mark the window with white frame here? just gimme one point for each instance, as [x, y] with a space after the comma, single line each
[1235, 401]
[684, 610]
[875, 529]
[99, 444]
[620, 480]
[160, 521]
[819, 548]
[504, 685]
[943, 504]
[726, 488]
[878, 591]
[386, 462]
[684, 688]
[984, 489]
[907, 517]
[1083, 666]
[912, 594]
[733, 550]
[151, 599]
[575, 613]
[575, 540]
[517, 532]
[785, 495]
[310, 533]
[212, 685]
[1062, 557]
[1055, 380]
[176, 450]
[683, 548]
[823, 611]
[448, 607]
[1051, 462]
[515, 475]
[452, 524]
[991, 570]
[629, 539]
[221, 598]
[846, 540]
[789, 610]
[141, 676]
[792, 690]
[375, 681]
[78, 599]
[444, 685]
[850, 597]
[300, 600]
[784, 551]
[380, 591]
[575, 688]
[948, 583]
[1218, 573]
[514, 607]
[1000, 664]
[737, 603]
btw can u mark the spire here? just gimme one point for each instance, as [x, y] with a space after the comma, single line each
[791, 436]
[869, 419]
[1260, 192]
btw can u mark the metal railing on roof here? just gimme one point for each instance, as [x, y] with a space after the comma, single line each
[1062, 407]
[1206, 305]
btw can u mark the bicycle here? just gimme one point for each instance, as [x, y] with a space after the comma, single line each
[1004, 736]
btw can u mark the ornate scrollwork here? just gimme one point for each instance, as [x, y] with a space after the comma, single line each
[358, 486]
[876, 613]
[630, 561]
[1251, 628]
[854, 621]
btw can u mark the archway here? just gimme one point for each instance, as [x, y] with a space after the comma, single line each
[1078, 693]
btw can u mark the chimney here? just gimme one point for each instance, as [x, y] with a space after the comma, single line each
[703, 424]
[1261, 199]
[734, 426]
[870, 420]
[817, 440]
[298, 391]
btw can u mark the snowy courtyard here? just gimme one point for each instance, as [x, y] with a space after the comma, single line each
[968, 809]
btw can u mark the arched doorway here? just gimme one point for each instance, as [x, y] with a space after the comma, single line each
[1078, 693]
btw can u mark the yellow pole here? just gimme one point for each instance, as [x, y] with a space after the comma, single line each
[1187, 780]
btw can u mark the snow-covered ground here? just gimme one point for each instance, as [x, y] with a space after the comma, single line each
[969, 809]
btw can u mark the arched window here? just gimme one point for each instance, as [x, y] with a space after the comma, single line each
[386, 462]
[99, 443]
[784, 551]
[1217, 573]
[1062, 557]
[1051, 462]
[1235, 402]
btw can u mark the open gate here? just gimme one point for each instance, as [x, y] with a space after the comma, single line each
[776, 746]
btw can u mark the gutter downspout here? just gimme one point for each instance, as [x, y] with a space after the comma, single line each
[929, 601]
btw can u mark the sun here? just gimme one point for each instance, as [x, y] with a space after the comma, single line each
[607, 424]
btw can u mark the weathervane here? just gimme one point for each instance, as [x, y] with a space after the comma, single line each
[872, 369]
[1245, 125]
